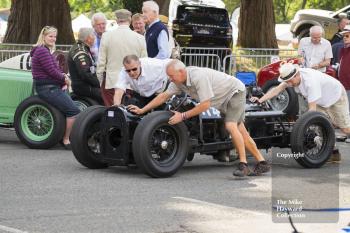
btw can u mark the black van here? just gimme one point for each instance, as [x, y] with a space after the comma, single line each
[201, 26]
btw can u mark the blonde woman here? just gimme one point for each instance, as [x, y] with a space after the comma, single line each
[49, 80]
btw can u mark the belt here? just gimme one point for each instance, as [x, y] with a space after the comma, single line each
[48, 86]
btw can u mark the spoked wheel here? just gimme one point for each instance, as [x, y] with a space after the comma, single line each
[280, 102]
[312, 139]
[83, 102]
[38, 124]
[82, 105]
[85, 138]
[160, 149]
[286, 101]
[163, 145]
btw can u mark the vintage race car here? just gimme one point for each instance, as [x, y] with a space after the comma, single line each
[37, 124]
[103, 137]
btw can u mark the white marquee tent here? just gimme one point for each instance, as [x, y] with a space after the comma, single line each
[79, 22]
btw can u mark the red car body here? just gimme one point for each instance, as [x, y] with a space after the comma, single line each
[270, 71]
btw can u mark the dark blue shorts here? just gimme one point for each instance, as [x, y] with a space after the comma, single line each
[58, 98]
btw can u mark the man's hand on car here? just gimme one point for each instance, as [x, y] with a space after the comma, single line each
[135, 109]
[176, 118]
[254, 99]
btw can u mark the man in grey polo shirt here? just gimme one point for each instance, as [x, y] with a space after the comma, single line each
[212, 88]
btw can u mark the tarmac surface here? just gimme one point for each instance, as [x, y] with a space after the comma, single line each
[48, 191]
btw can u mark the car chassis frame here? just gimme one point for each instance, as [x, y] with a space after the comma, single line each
[103, 137]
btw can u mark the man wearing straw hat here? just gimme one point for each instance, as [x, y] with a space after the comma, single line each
[322, 92]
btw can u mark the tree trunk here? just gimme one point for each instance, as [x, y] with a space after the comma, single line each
[257, 24]
[163, 7]
[303, 4]
[28, 17]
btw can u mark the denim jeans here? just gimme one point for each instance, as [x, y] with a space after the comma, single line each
[58, 98]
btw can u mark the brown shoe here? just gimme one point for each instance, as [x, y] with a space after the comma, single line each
[261, 167]
[242, 170]
[335, 157]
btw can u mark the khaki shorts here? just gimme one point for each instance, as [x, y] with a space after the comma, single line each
[236, 108]
[338, 112]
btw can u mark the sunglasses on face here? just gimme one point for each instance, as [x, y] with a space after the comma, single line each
[133, 69]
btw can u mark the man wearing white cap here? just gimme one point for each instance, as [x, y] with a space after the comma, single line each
[322, 92]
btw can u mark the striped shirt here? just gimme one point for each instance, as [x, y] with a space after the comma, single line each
[44, 67]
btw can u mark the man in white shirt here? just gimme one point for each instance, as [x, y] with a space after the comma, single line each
[322, 92]
[146, 76]
[98, 22]
[316, 52]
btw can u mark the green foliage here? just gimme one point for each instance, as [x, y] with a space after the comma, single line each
[286, 9]
[5, 3]
[231, 5]
[93, 6]
[133, 5]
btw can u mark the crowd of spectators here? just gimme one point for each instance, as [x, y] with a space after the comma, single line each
[104, 64]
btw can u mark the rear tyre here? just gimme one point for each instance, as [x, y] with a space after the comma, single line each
[160, 149]
[313, 139]
[83, 102]
[286, 101]
[38, 124]
[85, 137]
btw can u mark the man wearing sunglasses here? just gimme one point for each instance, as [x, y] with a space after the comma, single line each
[146, 76]
[216, 89]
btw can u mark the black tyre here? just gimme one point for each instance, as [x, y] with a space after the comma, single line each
[83, 102]
[85, 138]
[160, 149]
[313, 139]
[286, 101]
[38, 124]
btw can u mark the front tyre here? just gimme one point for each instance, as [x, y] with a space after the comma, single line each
[86, 136]
[160, 149]
[38, 124]
[313, 139]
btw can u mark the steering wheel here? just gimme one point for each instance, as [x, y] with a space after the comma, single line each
[177, 101]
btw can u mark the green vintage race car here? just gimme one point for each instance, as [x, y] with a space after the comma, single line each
[37, 124]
